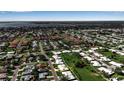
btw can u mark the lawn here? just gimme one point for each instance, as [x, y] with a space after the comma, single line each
[86, 73]
[113, 56]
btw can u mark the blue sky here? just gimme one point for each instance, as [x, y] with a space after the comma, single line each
[61, 16]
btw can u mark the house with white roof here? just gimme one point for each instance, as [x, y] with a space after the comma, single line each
[59, 61]
[113, 50]
[106, 70]
[76, 50]
[88, 58]
[100, 47]
[120, 53]
[63, 67]
[2, 44]
[113, 79]
[56, 57]
[105, 59]
[116, 64]
[11, 52]
[82, 54]
[69, 75]
[56, 52]
[123, 71]
[97, 54]
[95, 48]
[90, 51]
[66, 51]
[95, 63]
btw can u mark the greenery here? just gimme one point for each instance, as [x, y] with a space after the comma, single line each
[8, 49]
[9, 72]
[1, 63]
[63, 78]
[112, 55]
[15, 63]
[80, 64]
[85, 73]
[50, 54]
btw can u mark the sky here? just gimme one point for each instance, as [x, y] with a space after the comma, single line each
[61, 16]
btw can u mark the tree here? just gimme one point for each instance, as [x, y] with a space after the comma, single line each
[64, 78]
[119, 71]
[120, 48]
[106, 75]
[80, 64]
[15, 63]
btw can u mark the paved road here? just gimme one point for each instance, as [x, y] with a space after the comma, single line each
[15, 74]
[49, 62]
[17, 67]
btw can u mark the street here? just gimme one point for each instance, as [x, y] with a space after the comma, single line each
[49, 62]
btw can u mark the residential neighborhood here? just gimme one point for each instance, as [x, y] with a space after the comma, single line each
[62, 51]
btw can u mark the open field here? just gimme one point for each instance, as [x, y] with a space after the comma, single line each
[86, 73]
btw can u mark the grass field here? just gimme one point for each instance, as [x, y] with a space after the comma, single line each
[86, 73]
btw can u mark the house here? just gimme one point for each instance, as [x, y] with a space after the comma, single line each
[42, 70]
[14, 43]
[106, 70]
[34, 44]
[62, 67]
[90, 51]
[2, 45]
[100, 47]
[97, 54]
[95, 63]
[95, 48]
[27, 77]
[29, 67]
[59, 61]
[120, 53]
[76, 50]
[2, 53]
[88, 58]
[56, 52]
[104, 59]
[2, 75]
[69, 75]
[27, 71]
[9, 56]
[116, 64]
[113, 50]
[2, 57]
[56, 57]
[11, 52]
[43, 75]
[50, 77]
[66, 51]
[19, 56]
[82, 54]
[122, 71]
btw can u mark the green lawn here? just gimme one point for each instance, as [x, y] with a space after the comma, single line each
[86, 73]
[113, 56]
